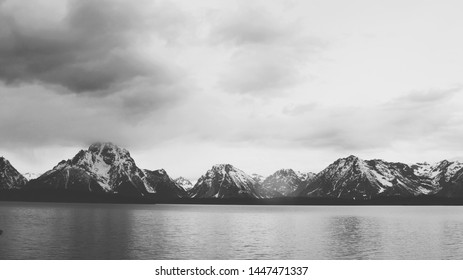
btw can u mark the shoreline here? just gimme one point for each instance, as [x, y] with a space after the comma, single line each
[76, 197]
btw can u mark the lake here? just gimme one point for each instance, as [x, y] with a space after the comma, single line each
[123, 231]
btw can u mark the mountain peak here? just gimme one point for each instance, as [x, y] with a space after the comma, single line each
[104, 163]
[184, 183]
[283, 182]
[105, 167]
[354, 178]
[102, 144]
[444, 163]
[224, 181]
[351, 162]
[4, 160]
[286, 171]
[352, 158]
[10, 178]
[104, 152]
[223, 166]
[107, 147]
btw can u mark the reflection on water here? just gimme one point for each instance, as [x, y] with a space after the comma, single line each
[104, 231]
[353, 237]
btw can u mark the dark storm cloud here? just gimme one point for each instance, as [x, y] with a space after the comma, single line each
[91, 49]
[114, 59]
[32, 116]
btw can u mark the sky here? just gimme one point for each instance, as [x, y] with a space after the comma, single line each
[263, 85]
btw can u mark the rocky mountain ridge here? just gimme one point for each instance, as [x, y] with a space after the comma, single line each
[108, 169]
[10, 178]
[283, 183]
[225, 181]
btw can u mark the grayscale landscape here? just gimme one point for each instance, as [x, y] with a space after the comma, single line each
[240, 129]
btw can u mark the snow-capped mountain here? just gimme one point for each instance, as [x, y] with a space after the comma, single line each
[438, 173]
[305, 176]
[184, 183]
[30, 176]
[225, 181]
[282, 183]
[445, 176]
[10, 178]
[258, 178]
[354, 178]
[104, 167]
[164, 186]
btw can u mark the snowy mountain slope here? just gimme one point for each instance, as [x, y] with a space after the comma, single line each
[282, 183]
[164, 186]
[354, 178]
[10, 178]
[445, 176]
[30, 176]
[184, 183]
[305, 176]
[439, 173]
[104, 167]
[65, 177]
[258, 178]
[225, 181]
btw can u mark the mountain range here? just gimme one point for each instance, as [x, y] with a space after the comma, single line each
[105, 168]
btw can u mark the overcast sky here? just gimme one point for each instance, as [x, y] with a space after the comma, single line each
[262, 85]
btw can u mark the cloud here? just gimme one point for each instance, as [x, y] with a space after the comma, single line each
[345, 129]
[429, 96]
[288, 78]
[91, 48]
[269, 51]
[300, 109]
[418, 116]
[33, 116]
[252, 26]
[80, 71]
[260, 71]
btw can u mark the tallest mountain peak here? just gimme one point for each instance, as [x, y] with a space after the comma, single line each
[99, 147]
[109, 152]
[223, 166]
[102, 144]
[352, 158]
[107, 168]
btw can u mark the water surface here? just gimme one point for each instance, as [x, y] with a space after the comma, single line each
[122, 231]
